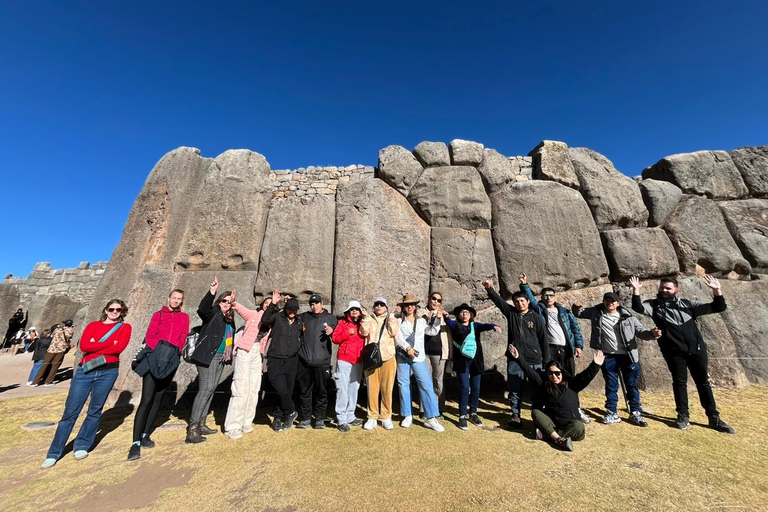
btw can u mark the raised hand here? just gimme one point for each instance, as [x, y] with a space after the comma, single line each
[214, 285]
[636, 284]
[513, 351]
[233, 295]
[276, 297]
[656, 332]
[711, 282]
[523, 279]
[364, 312]
[496, 328]
[599, 357]
[487, 284]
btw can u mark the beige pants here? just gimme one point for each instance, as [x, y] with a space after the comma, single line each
[246, 384]
[381, 380]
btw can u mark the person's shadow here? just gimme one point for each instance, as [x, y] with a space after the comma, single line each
[3, 389]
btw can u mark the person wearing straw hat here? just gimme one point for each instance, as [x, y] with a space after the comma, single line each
[411, 358]
[349, 365]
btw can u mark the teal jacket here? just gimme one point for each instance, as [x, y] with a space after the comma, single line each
[567, 321]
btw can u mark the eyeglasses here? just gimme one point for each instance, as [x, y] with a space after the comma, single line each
[379, 305]
[548, 295]
[439, 301]
[114, 310]
[226, 301]
[556, 374]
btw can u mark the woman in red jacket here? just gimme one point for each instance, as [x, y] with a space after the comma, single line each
[349, 365]
[170, 324]
[101, 345]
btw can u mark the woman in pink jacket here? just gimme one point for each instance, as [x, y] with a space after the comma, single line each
[246, 380]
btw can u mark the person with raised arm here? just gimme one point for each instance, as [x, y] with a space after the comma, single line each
[380, 327]
[682, 344]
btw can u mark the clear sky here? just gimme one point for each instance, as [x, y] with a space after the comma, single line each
[92, 94]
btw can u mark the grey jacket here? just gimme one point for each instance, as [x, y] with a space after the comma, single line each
[629, 327]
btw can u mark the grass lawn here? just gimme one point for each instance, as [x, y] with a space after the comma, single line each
[617, 467]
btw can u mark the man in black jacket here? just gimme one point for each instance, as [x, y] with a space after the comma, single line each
[682, 345]
[315, 362]
[527, 332]
[282, 356]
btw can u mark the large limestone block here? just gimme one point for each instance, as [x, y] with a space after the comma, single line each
[229, 216]
[46, 310]
[747, 321]
[466, 152]
[709, 173]
[461, 260]
[555, 241]
[432, 154]
[700, 237]
[496, 170]
[297, 255]
[452, 197]
[10, 300]
[382, 245]
[399, 168]
[494, 343]
[752, 163]
[614, 198]
[551, 162]
[661, 198]
[644, 252]
[747, 220]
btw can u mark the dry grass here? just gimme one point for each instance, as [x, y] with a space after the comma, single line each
[618, 467]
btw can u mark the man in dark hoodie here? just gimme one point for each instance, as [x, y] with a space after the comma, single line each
[527, 332]
[613, 331]
[682, 345]
[315, 362]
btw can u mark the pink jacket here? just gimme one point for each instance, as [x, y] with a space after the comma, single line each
[168, 325]
[252, 319]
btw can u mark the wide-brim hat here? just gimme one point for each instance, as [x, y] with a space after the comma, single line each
[354, 304]
[408, 299]
[466, 306]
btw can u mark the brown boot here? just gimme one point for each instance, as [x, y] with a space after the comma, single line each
[205, 430]
[193, 434]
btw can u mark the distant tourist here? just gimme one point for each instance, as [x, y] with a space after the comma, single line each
[60, 345]
[349, 366]
[157, 363]
[101, 345]
[214, 349]
[30, 339]
[682, 344]
[16, 322]
[557, 418]
[380, 328]
[17, 342]
[38, 353]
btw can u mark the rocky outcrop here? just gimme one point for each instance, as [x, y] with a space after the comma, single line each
[752, 163]
[452, 197]
[643, 252]
[748, 222]
[708, 173]
[496, 170]
[614, 199]
[465, 152]
[558, 247]
[747, 322]
[551, 162]
[399, 168]
[661, 198]
[704, 243]
[432, 154]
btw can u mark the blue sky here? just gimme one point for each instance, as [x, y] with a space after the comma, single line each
[94, 93]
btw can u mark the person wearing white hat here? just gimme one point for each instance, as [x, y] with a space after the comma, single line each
[349, 365]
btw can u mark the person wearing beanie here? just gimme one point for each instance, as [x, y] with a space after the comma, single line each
[380, 327]
[349, 365]
[614, 329]
[283, 356]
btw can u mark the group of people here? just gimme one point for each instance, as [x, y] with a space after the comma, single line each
[381, 347]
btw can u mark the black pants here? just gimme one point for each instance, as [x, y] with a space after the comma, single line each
[564, 356]
[698, 364]
[152, 391]
[312, 381]
[282, 376]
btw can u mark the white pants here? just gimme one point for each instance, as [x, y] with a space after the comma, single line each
[348, 377]
[246, 383]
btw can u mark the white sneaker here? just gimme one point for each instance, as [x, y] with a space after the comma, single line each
[407, 422]
[234, 434]
[247, 430]
[29, 383]
[387, 424]
[434, 425]
[370, 425]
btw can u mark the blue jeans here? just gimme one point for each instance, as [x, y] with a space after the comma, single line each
[469, 382]
[96, 383]
[423, 380]
[35, 369]
[516, 384]
[613, 365]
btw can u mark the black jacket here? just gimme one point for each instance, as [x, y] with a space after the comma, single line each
[286, 336]
[459, 333]
[211, 332]
[677, 320]
[161, 362]
[560, 403]
[316, 345]
[526, 332]
[41, 347]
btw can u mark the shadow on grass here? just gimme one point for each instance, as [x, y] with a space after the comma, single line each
[8, 388]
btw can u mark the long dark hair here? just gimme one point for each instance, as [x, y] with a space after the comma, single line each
[565, 374]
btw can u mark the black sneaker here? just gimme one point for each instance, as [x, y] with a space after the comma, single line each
[682, 422]
[356, 422]
[135, 452]
[475, 420]
[288, 423]
[637, 419]
[277, 425]
[304, 424]
[319, 425]
[146, 442]
[565, 443]
[463, 423]
[343, 427]
[515, 422]
[719, 425]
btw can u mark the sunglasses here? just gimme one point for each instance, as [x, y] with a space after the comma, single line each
[556, 374]
[379, 305]
[226, 301]
[439, 301]
[114, 310]
[548, 295]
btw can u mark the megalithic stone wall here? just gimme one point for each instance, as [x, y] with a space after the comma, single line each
[446, 217]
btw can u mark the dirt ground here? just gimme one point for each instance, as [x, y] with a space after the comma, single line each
[617, 467]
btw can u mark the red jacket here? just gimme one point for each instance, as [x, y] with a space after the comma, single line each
[110, 348]
[171, 326]
[350, 343]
